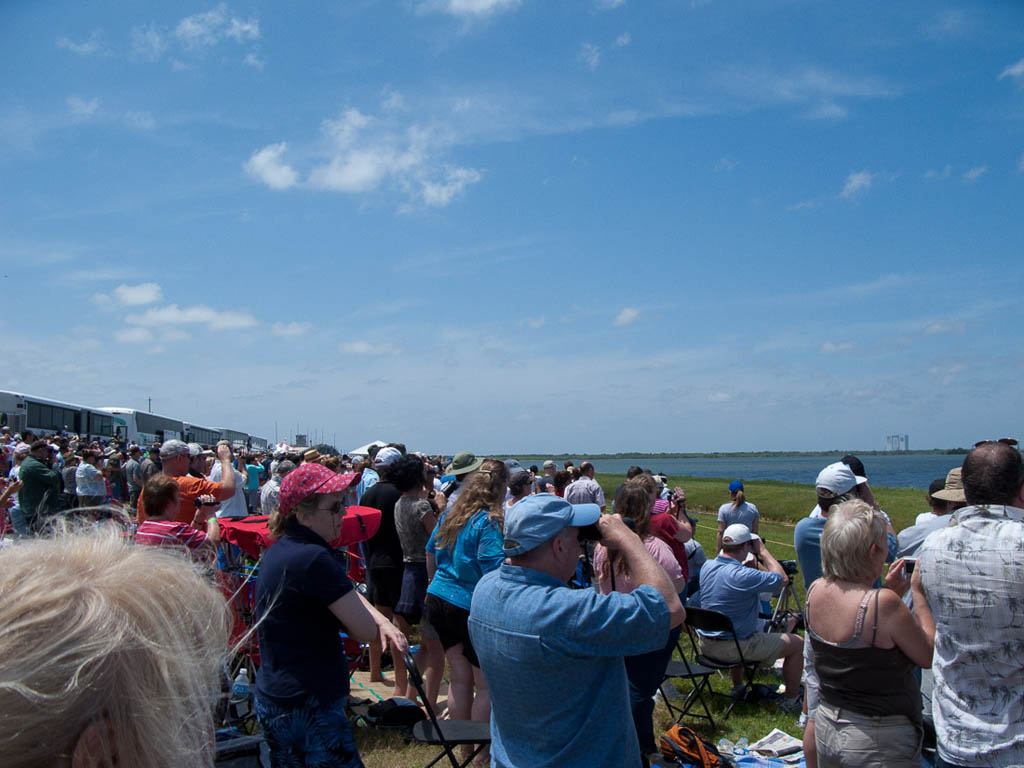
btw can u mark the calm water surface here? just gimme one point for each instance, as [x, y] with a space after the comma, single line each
[899, 470]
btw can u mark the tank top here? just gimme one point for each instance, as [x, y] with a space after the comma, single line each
[869, 681]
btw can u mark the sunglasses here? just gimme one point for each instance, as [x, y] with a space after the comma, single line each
[337, 508]
[1004, 440]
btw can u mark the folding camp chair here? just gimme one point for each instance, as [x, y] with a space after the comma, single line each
[698, 675]
[446, 733]
[704, 620]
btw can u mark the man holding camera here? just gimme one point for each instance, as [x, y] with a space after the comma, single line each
[40, 484]
[553, 656]
[730, 587]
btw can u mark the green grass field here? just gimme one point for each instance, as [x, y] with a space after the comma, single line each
[781, 505]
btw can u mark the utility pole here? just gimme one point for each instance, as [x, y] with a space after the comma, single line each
[151, 405]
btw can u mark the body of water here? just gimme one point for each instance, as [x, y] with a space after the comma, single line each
[907, 470]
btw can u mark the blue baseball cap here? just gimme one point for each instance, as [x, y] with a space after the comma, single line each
[540, 517]
[735, 485]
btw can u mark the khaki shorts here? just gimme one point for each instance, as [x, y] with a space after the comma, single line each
[760, 646]
[848, 739]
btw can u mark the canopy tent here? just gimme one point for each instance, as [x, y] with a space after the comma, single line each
[365, 450]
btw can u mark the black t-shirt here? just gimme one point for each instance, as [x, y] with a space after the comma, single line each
[300, 651]
[385, 549]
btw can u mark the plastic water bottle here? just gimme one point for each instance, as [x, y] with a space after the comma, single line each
[240, 694]
[742, 747]
[725, 747]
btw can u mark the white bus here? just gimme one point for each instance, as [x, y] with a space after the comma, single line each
[202, 435]
[47, 417]
[144, 428]
[239, 440]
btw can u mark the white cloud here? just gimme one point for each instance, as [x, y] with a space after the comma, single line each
[138, 295]
[82, 109]
[206, 29]
[172, 315]
[254, 61]
[857, 184]
[627, 315]
[719, 397]
[1014, 70]
[290, 329]
[143, 121]
[831, 348]
[133, 335]
[947, 25]
[266, 166]
[726, 163]
[934, 175]
[148, 43]
[607, 5]
[90, 46]
[468, 8]
[534, 322]
[589, 55]
[940, 326]
[437, 194]
[975, 173]
[393, 101]
[803, 205]
[828, 110]
[366, 349]
[103, 301]
[623, 40]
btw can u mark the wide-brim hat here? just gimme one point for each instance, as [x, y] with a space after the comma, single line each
[307, 480]
[954, 488]
[463, 463]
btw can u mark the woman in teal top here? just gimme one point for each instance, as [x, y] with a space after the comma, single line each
[466, 544]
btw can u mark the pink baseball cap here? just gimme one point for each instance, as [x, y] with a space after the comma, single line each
[307, 480]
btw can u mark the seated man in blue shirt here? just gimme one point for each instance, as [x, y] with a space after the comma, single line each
[730, 587]
[553, 656]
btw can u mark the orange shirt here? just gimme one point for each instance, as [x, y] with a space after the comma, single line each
[189, 489]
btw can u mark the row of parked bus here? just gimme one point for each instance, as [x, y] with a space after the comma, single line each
[46, 417]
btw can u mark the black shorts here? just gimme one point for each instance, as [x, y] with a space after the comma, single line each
[451, 624]
[384, 587]
[414, 590]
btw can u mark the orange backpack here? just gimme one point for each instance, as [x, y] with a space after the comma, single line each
[685, 745]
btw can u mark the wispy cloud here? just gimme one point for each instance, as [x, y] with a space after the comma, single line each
[133, 335]
[94, 44]
[948, 25]
[622, 40]
[534, 322]
[265, 165]
[726, 163]
[933, 175]
[467, 8]
[290, 330]
[832, 348]
[820, 88]
[857, 185]
[804, 205]
[203, 30]
[1020, 164]
[367, 349]
[172, 315]
[254, 61]
[943, 326]
[627, 316]
[1016, 71]
[148, 42]
[607, 5]
[828, 110]
[589, 56]
[82, 109]
[880, 284]
[973, 174]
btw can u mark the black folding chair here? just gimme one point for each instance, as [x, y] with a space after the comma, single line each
[448, 734]
[704, 620]
[698, 675]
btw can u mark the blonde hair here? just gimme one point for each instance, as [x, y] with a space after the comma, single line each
[485, 488]
[94, 630]
[278, 519]
[850, 531]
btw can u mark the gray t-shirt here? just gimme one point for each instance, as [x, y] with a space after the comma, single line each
[409, 514]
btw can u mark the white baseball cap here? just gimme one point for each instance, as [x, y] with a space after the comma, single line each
[737, 534]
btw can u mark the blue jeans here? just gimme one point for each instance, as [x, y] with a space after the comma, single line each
[645, 673]
[312, 735]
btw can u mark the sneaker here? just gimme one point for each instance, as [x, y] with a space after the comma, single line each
[794, 705]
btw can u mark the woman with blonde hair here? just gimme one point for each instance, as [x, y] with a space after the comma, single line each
[110, 654]
[467, 542]
[864, 647]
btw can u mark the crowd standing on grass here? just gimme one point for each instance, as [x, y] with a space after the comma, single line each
[521, 582]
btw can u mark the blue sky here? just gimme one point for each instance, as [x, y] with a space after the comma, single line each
[513, 225]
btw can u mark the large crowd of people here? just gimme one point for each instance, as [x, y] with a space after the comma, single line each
[552, 618]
